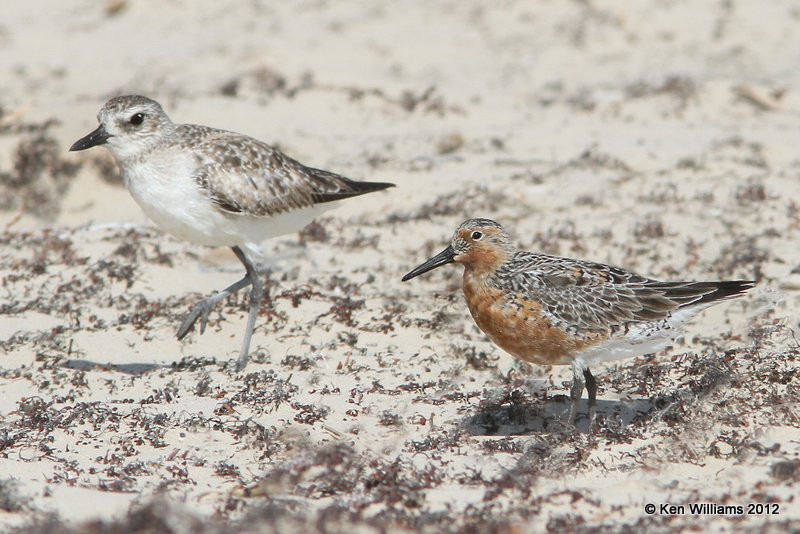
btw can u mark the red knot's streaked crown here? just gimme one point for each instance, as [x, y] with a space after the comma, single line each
[551, 310]
[214, 187]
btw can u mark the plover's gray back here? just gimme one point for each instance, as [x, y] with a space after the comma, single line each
[247, 177]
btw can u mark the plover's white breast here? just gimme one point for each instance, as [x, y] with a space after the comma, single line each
[163, 187]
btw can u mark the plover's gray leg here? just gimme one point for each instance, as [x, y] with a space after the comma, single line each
[591, 387]
[202, 309]
[256, 295]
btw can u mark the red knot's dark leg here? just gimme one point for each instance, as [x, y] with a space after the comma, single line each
[576, 392]
[591, 387]
[256, 296]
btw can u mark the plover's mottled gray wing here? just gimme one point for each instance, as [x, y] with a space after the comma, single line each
[247, 177]
[591, 296]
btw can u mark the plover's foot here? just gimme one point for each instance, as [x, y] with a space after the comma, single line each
[200, 311]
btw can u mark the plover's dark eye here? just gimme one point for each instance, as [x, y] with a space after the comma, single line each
[476, 236]
[137, 118]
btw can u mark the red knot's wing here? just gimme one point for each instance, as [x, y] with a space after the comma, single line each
[247, 177]
[587, 296]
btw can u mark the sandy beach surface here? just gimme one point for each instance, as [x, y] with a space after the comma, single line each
[663, 137]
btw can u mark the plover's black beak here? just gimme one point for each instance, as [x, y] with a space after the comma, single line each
[443, 258]
[97, 137]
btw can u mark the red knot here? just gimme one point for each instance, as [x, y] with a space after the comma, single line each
[550, 310]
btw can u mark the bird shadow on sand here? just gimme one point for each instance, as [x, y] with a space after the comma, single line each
[187, 363]
[127, 368]
[519, 414]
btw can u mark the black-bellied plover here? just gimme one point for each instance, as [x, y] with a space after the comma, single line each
[559, 311]
[214, 187]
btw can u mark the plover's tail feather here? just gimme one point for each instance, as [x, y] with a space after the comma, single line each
[332, 187]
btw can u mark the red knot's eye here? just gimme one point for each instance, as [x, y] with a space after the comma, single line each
[137, 119]
[476, 236]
